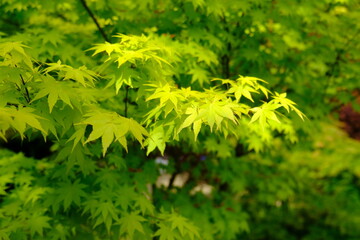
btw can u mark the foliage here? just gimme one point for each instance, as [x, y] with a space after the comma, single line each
[141, 126]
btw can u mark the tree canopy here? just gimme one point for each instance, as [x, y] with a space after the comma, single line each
[179, 119]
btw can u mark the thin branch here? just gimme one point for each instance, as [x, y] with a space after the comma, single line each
[27, 96]
[225, 59]
[12, 104]
[126, 100]
[102, 32]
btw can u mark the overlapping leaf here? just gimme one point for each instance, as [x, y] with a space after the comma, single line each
[110, 127]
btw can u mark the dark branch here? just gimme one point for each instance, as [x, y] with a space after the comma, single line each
[27, 95]
[94, 19]
[126, 100]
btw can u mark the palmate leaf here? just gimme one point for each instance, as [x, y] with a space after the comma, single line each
[199, 75]
[264, 113]
[211, 113]
[14, 55]
[7, 47]
[201, 54]
[287, 104]
[144, 204]
[105, 213]
[168, 95]
[69, 193]
[193, 115]
[35, 194]
[165, 232]
[214, 107]
[215, 112]
[130, 223]
[156, 139]
[53, 37]
[106, 47]
[173, 221]
[245, 86]
[131, 49]
[19, 119]
[55, 91]
[110, 126]
[38, 223]
[81, 75]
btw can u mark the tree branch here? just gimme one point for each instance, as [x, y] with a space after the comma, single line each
[27, 95]
[102, 32]
[126, 100]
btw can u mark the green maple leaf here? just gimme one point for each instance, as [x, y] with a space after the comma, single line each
[264, 113]
[54, 90]
[241, 90]
[35, 194]
[6, 178]
[106, 47]
[198, 3]
[7, 47]
[108, 178]
[193, 119]
[106, 212]
[167, 95]
[215, 112]
[201, 54]
[77, 136]
[18, 56]
[287, 104]
[164, 232]
[199, 75]
[19, 119]
[82, 75]
[70, 193]
[38, 223]
[156, 139]
[130, 223]
[125, 75]
[245, 86]
[129, 56]
[255, 143]
[53, 37]
[224, 149]
[124, 196]
[111, 126]
[27, 116]
[146, 207]
[54, 66]
[61, 232]
[180, 223]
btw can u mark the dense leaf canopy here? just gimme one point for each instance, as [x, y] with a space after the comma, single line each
[179, 119]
